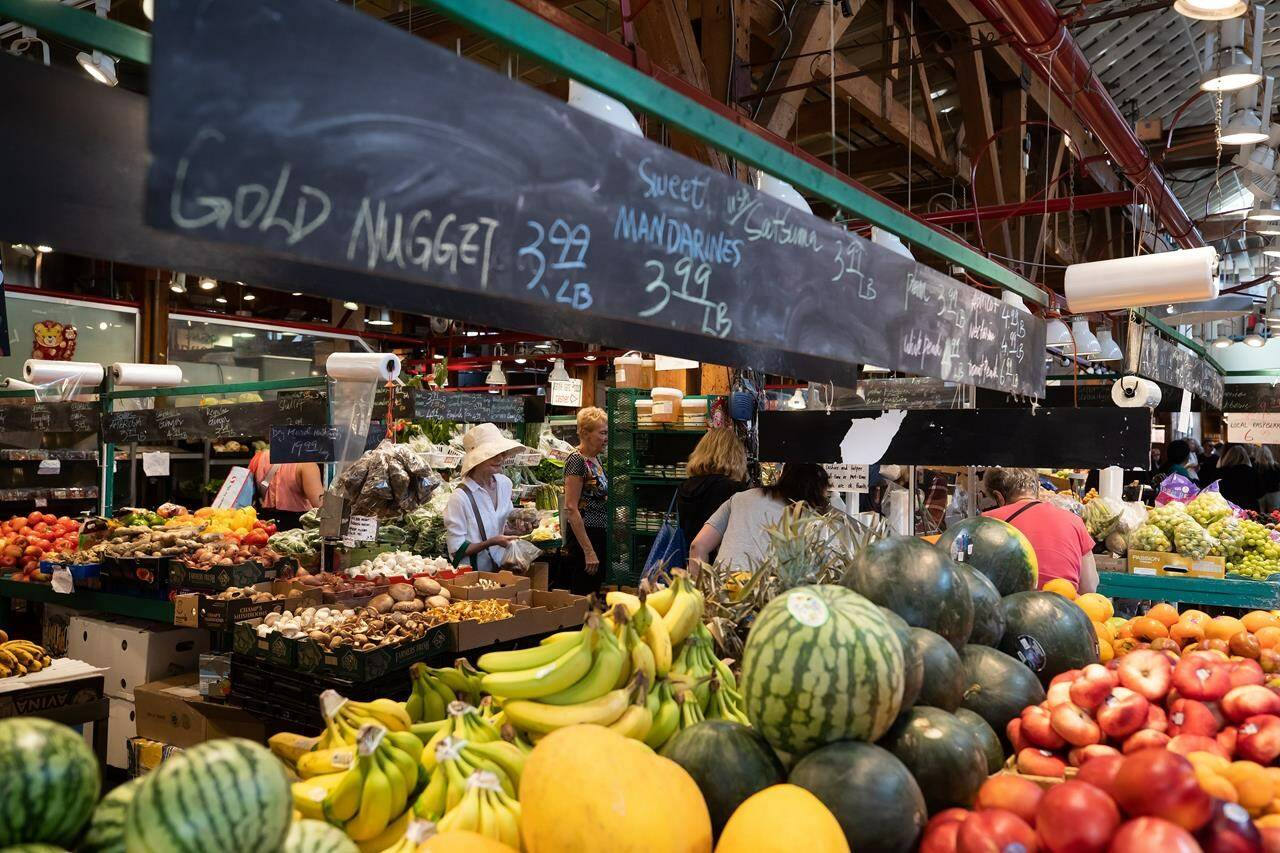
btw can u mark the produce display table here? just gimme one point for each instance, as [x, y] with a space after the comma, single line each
[156, 610]
[1245, 594]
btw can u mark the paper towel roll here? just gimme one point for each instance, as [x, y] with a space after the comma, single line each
[41, 371]
[1111, 482]
[11, 384]
[129, 375]
[363, 366]
[1158, 279]
[1134, 392]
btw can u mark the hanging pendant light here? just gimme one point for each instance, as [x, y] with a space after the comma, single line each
[781, 190]
[558, 373]
[1084, 341]
[1011, 298]
[1210, 10]
[603, 107]
[797, 401]
[1108, 349]
[1229, 68]
[1243, 125]
[1057, 335]
[496, 376]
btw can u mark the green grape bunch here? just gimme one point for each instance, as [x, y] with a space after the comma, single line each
[1208, 507]
[1192, 540]
[1167, 517]
[1149, 537]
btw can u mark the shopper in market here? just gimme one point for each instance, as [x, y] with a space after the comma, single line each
[717, 471]
[477, 511]
[287, 490]
[737, 533]
[1238, 480]
[1063, 546]
[586, 490]
[1178, 459]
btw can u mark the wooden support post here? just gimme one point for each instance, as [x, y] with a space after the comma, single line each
[1013, 170]
[814, 28]
[979, 125]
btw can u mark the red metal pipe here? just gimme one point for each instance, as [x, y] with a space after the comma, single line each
[1013, 210]
[1034, 30]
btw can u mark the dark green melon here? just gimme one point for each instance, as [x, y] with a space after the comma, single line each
[997, 687]
[918, 582]
[943, 685]
[728, 761]
[872, 794]
[106, 826]
[912, 666]
[986, 736]
[942, 754]
[988, 615]
[995, 548]
[1048, 633]
[49, 782]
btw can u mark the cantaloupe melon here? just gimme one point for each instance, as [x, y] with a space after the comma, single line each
[782, 819]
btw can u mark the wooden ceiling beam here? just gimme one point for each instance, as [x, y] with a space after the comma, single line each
[979, 127]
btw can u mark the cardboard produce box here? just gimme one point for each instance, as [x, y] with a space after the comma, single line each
[182, 576]
[274, 647]
[467, 585]
[199, 610]
[30, 701]
[134, 651]
[1158, 563]
[172, 711]
[122, 726]
[146, 755]
[560, 609]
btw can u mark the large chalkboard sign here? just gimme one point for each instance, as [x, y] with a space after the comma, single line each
[909, 393]
[515, 195]
[233, 420]
[1261, 397]
[468, 408]
[49, 417]
[1069, 438]
[1169, 364]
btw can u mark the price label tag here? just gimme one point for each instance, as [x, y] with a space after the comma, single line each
[40, 503]
[156, 463]
[362, 528]
[848, 478]
[50, 466]
[566, 392]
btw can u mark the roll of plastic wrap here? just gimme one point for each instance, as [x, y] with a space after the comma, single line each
[1111, 482]
[363, 366]
[130, 375]
[1134, 392]
[39, 371]
[11, 384]
[1158, 279]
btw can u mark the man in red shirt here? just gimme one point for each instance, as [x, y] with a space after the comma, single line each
[1064, 548]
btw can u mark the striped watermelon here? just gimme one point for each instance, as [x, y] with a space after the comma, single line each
[49, 781]
[821, 664]
[106, 828]
[35, 848]
[316, 836]
[222, 795]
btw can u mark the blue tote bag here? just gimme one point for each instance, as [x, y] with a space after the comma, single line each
[669, 550]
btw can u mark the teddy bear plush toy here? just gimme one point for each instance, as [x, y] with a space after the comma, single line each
[53, 341]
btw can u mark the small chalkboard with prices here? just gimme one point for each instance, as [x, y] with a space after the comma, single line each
[303, 443]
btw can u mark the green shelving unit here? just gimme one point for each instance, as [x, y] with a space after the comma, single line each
[1211, 592]
[156, 610]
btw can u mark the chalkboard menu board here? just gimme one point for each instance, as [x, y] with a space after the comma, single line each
[468, 408]
[49, 417]
[1087, 393]
[1169, 364]
[1261, 397]
[303, 443]
[910, 393]
[515, 196]
[234, 420]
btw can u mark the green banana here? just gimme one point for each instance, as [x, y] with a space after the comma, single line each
[545, 679]
[666, 720]
[609, 663]
[531, 658]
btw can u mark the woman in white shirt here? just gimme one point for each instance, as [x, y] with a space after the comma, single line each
[477, 510]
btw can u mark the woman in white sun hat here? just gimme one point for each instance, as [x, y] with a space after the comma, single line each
[477, 511]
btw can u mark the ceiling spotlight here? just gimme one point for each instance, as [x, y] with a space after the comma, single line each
[1221, 342]
[296, 293]
[1254, 340]
[221, 300]
[520, 359]
[351, 306]
[43, 249]
[543, 345]
[592, 349]
[99, 66]
[496, 376]
[1210, 10]
[378, 317]
[1229, 68]
[872, 368]
[178, 283]
[438, 356]
[1265, 212]
[1243, 125]
[249, 297]
[244, 335]
[207, 283]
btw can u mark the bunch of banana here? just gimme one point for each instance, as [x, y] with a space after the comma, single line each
[415, 833]
[693, 668]
[648, 625]
[666, 715]
[726, 703]
[429, 697]
[685, 611]
[455, 760]
[465, 723]
[540, 718]
[486, 809]
[690, 710]
[290, 746]
[19, 657]
[543, 670]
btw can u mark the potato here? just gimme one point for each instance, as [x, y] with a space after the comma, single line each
[401, 592]
[444, 593]
[382, 603]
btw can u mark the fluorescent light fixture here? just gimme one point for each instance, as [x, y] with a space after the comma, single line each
[1254, 340]
[945, 110]
[937, 93]
[99, 66]
[1057, 335]
[558, 373]
[496, 376]
[43, 249]
[378, 317]
[543, 345]
[871, 368]
[1211, 10]
[350, 306]
[243, 335]
[207, 283]
[249, 297]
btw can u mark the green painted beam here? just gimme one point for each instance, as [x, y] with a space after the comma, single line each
[81, 27]
[1265, 373]
[530, 34]
[227, 388]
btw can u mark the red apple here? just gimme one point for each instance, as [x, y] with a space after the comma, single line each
[1159, 783]
[1057, 694]
[1203, 676]
[1148, 673]
[1037, 728]
[1040, 762]
[1231, 830]
[1068, 676]
[1145, 739]
[1074, 725]
[1259, 739]
[1011, 793]
[996, 831]
[941, 831]
[1122, 713]
[1227, 739]
[1013, 731]
[1249, 700]
[1247, 671]
[1157, 720]
[1148, 834]
[1190, 717]
[1101, 772]
[1082, 755]
[1091, 688]
[1270, 836]
[1187, 744]
[1076, 817]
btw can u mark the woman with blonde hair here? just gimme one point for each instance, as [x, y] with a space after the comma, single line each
[717, 472]
[586, 490]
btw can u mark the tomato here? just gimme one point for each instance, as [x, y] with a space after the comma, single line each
[7, 562]
[48, 518]
[61, 545]
[41, 528]
[270, 529]
[20, 541]
[35, 518]
[12, 551]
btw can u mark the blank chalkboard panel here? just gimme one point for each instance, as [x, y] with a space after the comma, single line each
[1068, 438]
[252, 144]
[1260, 397]
[1088, 393]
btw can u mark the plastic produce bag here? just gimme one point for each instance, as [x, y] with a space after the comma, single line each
[1192, 540]
[521, 555]
[1210, 506]
[1133, 517]
[1150, 537]
[1178, 488]
[1101, 515]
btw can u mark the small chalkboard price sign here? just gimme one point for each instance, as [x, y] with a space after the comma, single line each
[635, 245]
[303, 443]
[468, 408]
[1261, 397]
[49, 417]
[1167, 363]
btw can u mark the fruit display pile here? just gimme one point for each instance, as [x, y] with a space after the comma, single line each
[1208, 526]
[25, 540]
[20, 657]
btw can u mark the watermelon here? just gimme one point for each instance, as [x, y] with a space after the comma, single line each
[1048, 633]
[316, 836]
[997, 687]
[988, 616]
[728, 761]
[221, 795]
[943, 685]
[995, 548]
[871, 793]
[49, 781]
[942, 754]
[820, 665]
[986, 736]
[34, 848]
[106, 827]
[912, 666]
[918, 582]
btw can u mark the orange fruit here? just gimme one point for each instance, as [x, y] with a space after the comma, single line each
[1166, 613]
[1223, 627]
[1147, 629]
[1268, 637]
[1106, 652]
[1254, 789]
[1097, 606]
[1126, 630]
[1255, 620]
[1062, 587]
[1272, 819]
[1216, 786]
[1274, 774]
[1104, 632]
[1194, 616]
[1185, 633]
[1210, 761]
[1245, 645]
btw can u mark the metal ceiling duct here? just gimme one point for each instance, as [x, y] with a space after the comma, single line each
[1034, 30]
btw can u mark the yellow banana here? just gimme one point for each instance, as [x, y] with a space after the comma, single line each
[522, 659]
[507, 756]
[424, 732]
[540, 718]
[466, 815]
[389, 713]
[641, 657]
[395, 831]
[395, 781]
[344, 800]
[662, 600]
[562, 635]
[634, 723]
[431, 802]
[488, 820]
[507, 811]
[323, 761]
[658, 639]
[457, 783]
[546, 679]
[375, 806]
[603, 676]
[407, 743]
[289, 747]
[626, 599]
[666, 720]
[685, 612]
[309, 795]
